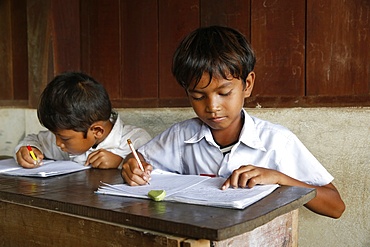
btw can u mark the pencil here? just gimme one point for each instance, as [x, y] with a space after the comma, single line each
[135, 155]
[31, 153]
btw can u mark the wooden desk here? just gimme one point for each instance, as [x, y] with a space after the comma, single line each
[65, 211]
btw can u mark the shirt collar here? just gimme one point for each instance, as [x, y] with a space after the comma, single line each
[204, 132]
[248, 136]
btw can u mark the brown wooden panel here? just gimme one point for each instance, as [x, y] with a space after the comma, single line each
[85, 35]
[128, 46]
[65, 15]
[231, 13]
[307, 101]
[40, 227]
[40, 53]
[100, 43]
[338, 54]
[177, 18]
[6, 83]
[19, 49]
[278, 36]
[139, 33]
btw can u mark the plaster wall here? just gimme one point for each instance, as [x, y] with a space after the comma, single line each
[338, 137]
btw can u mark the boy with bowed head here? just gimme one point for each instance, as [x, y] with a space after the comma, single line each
[215, 67]
[81, 124]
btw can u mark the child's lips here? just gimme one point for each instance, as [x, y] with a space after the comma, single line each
[217, 119]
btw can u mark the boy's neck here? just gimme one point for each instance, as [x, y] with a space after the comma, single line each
[229, 136]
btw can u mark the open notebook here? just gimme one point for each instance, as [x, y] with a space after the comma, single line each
[49, 168]
[192, 189]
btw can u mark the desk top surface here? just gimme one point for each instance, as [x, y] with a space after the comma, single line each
[74, 194]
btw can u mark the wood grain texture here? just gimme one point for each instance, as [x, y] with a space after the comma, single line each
[6, 85]
[278, 38]
[74, 194]
[19, 50]
[66, 33]
[309, 52]
[338, 53]
[40, 48]
[30, 226]
[176, 19]
[281, 231]
[100, 44]
[231, 13]
[139, 47]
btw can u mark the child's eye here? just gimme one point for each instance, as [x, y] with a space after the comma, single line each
[197, 97]
[226, 94]
[64, 139]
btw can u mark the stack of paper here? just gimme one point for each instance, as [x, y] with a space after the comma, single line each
[49, 168]
[192, 189]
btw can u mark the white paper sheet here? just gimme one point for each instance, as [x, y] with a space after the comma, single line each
[49, 168]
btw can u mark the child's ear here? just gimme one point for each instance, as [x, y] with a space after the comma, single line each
[249, 84]
[98, 130]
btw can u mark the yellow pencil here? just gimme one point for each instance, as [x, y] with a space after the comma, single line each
[31, 152]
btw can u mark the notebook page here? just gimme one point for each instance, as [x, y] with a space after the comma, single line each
[49, 168]
[209, 193]
[170, 182]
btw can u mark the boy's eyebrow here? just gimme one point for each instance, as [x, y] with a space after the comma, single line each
[223, 85]
[60, 135]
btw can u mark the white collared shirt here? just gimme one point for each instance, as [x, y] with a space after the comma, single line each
[188, 147]
[115, 142]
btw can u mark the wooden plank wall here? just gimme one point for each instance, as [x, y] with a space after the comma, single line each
[13, 52]
[309, 52]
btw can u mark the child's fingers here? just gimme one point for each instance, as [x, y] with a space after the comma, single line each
[127, 179]
[134, 178]
[90, 158]
[136, 170]
[226, 184]
[38, 154]
[132, 173]
[147, 170]
[24, 159]
[243, 177]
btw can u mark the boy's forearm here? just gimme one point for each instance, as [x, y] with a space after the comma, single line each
[327, 201]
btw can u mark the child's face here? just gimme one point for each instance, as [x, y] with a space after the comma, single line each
[219, 104]
[73, 142]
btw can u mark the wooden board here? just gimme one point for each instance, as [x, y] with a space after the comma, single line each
[74, 194]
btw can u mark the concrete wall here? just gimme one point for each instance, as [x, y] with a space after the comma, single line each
[338, 137]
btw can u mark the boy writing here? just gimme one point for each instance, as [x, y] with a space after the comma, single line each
[77, 111]
[215, 67]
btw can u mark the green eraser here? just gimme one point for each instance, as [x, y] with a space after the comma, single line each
[157, 195]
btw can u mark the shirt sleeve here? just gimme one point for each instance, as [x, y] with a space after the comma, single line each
[298, 162]
[164, 151]
[46, 143]
[138, 137]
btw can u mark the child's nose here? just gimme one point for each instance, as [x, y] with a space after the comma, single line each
[212, 105]
[58, 142]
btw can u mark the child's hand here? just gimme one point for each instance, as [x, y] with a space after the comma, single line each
[132, 173]
[249, 176]
[25, 160]
[103, 159]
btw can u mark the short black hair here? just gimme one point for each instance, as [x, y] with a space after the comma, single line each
[216, 50]
[73, 101]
